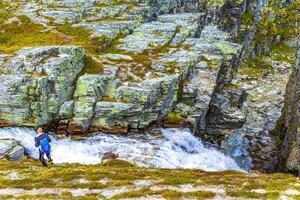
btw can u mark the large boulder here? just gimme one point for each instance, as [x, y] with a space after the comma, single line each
[11, 150]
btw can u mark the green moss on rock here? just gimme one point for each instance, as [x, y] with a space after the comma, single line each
[174, 117]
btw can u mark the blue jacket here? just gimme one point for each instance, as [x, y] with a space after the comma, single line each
[38, 139]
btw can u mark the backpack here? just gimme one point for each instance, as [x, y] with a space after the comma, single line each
[45, 146]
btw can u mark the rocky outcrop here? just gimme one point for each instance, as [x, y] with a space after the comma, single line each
[243, 113]
[107, 102]
[169, 63]
[11, 150]
[288, 127]
[218, 62]
[35, 82]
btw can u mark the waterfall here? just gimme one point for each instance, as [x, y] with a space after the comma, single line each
[173, 148]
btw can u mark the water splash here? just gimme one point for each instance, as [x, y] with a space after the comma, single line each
[174, 148]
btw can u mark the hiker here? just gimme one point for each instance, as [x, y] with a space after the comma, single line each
[42, 141]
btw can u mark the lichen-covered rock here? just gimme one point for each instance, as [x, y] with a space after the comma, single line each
[259, 112]
[187, 25]
[90, 85]
[109, 115]
[288, 127]
[11, 150]
[90, 88]
[143, 103]
[137, 94]
[36, 82]
[204, 75]
[108, 31]
[148, 36]
[151, 66]
[162, 61]
[224, 113]
[66, 109]
[174, 6]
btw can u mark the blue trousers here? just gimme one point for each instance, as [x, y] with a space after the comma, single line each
[42, 159]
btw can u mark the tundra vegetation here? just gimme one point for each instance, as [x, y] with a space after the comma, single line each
[95, 182]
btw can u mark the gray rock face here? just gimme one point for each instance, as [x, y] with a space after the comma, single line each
[174, 6]
[225, 111]
[146, 102]
[213, 61]
[250, 119]
[90, 88]
[36, 82]
[288, 127]
[104, 103]
[148, 36]
[11, 150]
[108, 31]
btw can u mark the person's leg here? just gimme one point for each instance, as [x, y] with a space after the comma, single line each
[49, 157]
[42, 159]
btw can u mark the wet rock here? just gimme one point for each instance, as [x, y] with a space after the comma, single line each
[237, 147]
[260, 110]
[109, 156]
[11, 150]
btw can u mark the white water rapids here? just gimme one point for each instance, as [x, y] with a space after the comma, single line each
[175, 148]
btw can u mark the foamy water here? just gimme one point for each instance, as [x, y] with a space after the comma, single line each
[175, 148]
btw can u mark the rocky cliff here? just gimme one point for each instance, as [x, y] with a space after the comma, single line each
[147, 68]
[288, 127]
[124, 66]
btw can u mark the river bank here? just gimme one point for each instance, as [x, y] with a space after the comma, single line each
[118, 179]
